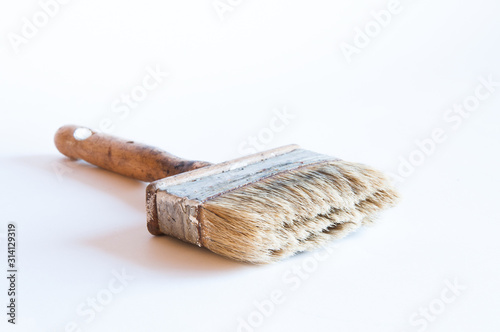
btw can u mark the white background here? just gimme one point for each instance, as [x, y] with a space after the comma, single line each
[77, 225]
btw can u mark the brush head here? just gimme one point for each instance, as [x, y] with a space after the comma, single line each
[268, 206]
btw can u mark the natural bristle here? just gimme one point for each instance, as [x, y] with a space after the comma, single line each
[294, 211]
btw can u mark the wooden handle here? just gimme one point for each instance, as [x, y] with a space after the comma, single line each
[136, 160]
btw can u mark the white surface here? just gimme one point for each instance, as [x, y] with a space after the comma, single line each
[77, 224]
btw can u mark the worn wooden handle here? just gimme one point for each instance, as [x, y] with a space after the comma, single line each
[136, 160]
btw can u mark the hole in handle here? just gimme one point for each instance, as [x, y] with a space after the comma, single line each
[81, 134]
